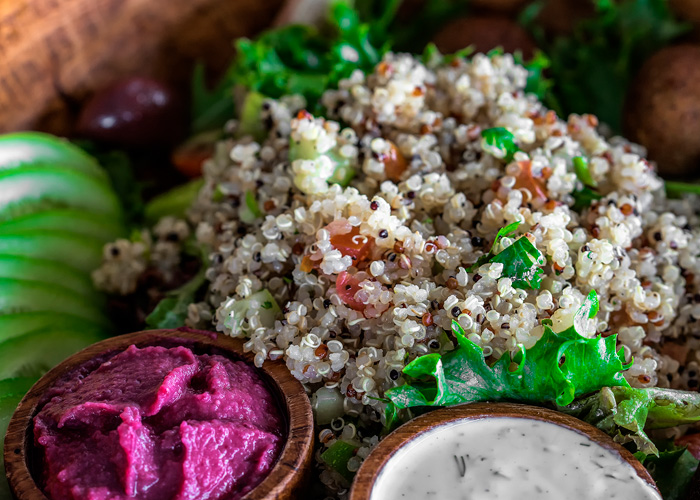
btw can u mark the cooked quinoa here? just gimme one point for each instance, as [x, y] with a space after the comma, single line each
[349, 284]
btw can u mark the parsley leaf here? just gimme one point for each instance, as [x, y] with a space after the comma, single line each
[520, 260]
[499, 142]
[558, 368]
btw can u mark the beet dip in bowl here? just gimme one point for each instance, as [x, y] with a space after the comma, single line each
[161, 414]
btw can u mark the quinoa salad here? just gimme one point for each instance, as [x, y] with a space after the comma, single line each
[348, 245]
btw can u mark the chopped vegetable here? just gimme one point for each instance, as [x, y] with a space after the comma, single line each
[583, 198]
[250, 210]
[353, 244]
[537, 82]
[235, 311]
[327, 404]
[582, 171]
[559, 368]
[499, 142]
[337, 456]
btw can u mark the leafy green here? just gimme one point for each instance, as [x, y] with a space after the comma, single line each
[594, 65]
[626, 413]
[210, 108]
[672, 469]
[337, 456]
[537, 82]
[586, 195]
[172, 310]
[175, 202]
[499, 142]
[676, 189]
[558, 368]
[520, 260]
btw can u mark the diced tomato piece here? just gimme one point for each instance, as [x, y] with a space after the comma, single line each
[354, 244]
[347, 286]
[692, 441]
[307, 264]
[526, 180]
[394, 163]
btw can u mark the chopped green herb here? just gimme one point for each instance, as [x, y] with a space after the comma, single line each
[583, 198]
[337, 456]
[537, 83]
[250, 209]
[520, 260]
[557, 369]
[499, 142]
[267, 305]
[582, 171]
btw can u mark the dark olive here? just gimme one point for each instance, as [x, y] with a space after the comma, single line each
[135, 111]
[485, 33]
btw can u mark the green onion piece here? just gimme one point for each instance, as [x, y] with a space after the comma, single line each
[582, 171]
[499, 142]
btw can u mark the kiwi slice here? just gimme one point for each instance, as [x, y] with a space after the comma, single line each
[51, 273]
[29, 296]
[35, 189]
[17, 324]
[79, 252]
[38, 351]
[22, 149]
[68, 220]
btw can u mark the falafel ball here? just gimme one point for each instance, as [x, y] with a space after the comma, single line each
[662, 111]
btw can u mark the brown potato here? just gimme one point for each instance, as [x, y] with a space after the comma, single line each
[485, 33]
[662, 111]
[687, 10]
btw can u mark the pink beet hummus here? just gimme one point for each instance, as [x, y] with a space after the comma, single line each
[159, 423]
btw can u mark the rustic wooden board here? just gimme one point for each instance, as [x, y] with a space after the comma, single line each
[56, 52]
[286, 481]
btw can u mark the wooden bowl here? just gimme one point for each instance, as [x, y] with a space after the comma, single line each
[382, 453]
[288, 477]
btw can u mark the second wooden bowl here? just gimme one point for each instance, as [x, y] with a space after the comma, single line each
[379, 457]
[286, 481]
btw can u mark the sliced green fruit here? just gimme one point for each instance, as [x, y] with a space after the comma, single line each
[40, 350]
[23, 149]
[17, 324]
[27, 296]
[34, 189]
[17, 386]
[79, 252]
[70, 220]
[51, 273]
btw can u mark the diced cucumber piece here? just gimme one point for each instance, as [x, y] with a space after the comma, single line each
[79, 252]
[70, 220]
[337, 456]
[28, 296]
[51, 273]
[236, 311]
[22, 149]
[17, 386]
[17, 324]
[36, 189]
[38, 351]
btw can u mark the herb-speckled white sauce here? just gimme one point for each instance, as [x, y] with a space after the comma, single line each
[506, 458]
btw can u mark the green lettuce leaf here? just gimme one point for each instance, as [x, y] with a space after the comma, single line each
[557, 369]
[626, 413]
[672, 469]
[171, 311]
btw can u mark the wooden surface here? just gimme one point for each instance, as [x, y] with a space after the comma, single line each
[286, 481]
[373, 464]
[54, 53]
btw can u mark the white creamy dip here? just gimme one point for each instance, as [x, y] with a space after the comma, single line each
[507, 458]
